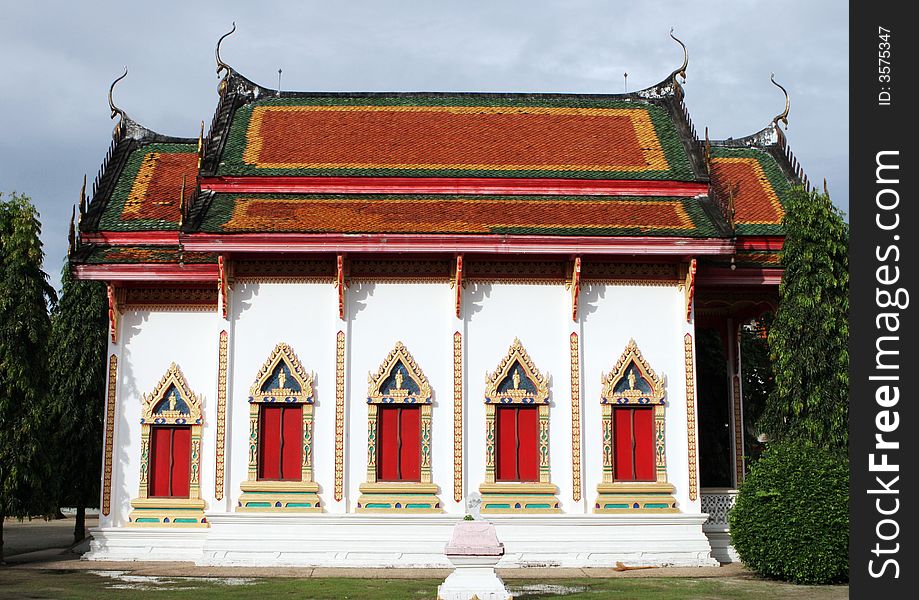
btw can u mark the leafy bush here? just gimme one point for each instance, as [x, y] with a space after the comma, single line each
[791, 520]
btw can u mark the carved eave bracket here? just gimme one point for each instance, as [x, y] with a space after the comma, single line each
[340, 284]
[652, 392]
[536, 385]
[224, 284]
[574, 285]
[457, 284]
[689, 286]
[115, 300]
[388, 385]
[263, 391]
[188, 412]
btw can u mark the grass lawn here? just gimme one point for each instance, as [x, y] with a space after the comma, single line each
[93, 585]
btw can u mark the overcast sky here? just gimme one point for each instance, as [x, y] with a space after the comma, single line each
[58, 59]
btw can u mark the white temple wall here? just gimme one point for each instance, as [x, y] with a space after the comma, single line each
[495, 314]
[654, 316]
[418, 315]
[421, 315]
[304, 316]
[148, 342]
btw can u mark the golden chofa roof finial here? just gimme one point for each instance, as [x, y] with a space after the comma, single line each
[116, 112]
[222, 66]
[783, 117]
[681, 70]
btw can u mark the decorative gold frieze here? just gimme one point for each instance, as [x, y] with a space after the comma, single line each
[170, 298]
[631, 273]
[575, 418]
[691, 417]
[221, 415]
[339, 415]
[738, 431]
[457, 416]
[109, 435]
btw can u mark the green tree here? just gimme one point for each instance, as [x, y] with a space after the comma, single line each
[24, 328]
[808, 341]
[77, 368]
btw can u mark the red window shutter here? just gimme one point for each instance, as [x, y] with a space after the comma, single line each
[388, 443]
[292, 447]
[269, 444]
[506, 444]
[528, 443]
[170, 462]
[410, 438]
[160, 458]
[399, 443]
[644, 444]
[181, 461]
[623, 444]
[633, 439]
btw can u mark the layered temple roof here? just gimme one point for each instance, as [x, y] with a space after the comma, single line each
[421, 164]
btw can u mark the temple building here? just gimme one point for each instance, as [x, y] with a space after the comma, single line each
[337, 317]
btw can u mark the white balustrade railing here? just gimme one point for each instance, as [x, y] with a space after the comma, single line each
[718, 502]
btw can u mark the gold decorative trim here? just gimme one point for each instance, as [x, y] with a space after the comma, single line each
[738, 431]
[631, 273]
[285, 270]
[457, 416]
[109, 435]
[221, 414]
[575, 418]
[418, 269]
[339, 414]
[396, 392]
[691, 417]
[520, 271]
[278, 496]
[183, 408]
[170, 299]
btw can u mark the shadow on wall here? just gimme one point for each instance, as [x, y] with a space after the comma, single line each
[473, 298]
[590, 300]
[358, 293]
[244, 294]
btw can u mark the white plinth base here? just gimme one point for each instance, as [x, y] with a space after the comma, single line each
[147, 543]
[357, 540]
[473, 577]
[720, 540]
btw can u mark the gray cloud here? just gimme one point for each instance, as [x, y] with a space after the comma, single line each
[59, 58]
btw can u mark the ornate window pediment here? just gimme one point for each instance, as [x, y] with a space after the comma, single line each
[516, 380]
[171, 402]
[282, 379]
[632, 381]
[399, 380]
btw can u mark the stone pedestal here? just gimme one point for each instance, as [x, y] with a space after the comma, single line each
[474, 551]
